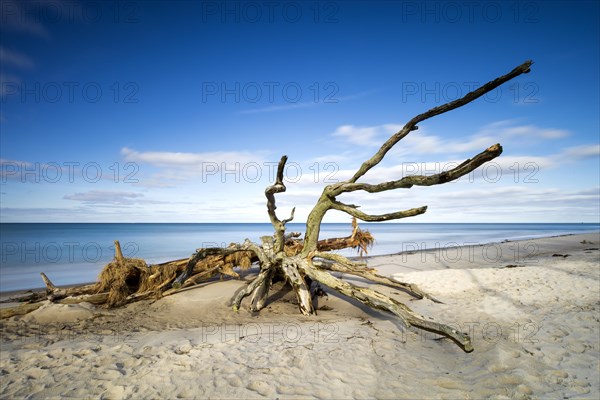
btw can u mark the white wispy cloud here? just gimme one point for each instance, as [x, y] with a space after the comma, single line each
[280, 107]
[363, 135]
[15, 59]
[422, 142]
[80, 213]
[328, 99]
[107, 197]
[581, 152]
[18, 17]
[508, 129]
[8, 82]
[177, 167]
[419, 142]
[180, 159]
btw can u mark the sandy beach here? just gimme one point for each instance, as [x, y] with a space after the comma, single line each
[532, 309]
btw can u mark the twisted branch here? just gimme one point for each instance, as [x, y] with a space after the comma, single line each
[278, 187]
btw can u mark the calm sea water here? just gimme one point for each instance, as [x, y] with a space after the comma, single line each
[75, 253]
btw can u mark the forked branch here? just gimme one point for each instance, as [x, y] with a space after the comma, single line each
[407, 182]
[412, 124]
[328, 200]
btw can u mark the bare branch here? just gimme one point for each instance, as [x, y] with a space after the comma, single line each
[412, 124]
[201, 254]
[265, 275]
[379, 301]
[259, 295]
[277, 187]
[420, 180]
[342, 264]
[291, 218]
[50, 287]
[54, 293]
[339, 259]
[118, 253]
[290, 269]
[353, 211]
[292, 235]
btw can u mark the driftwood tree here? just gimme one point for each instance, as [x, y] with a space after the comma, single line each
[308, 262]
[312, 265]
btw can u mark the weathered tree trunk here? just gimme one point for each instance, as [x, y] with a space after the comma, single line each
[55, 293]
[98, 298]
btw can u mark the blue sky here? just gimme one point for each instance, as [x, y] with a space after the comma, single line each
[176, 111]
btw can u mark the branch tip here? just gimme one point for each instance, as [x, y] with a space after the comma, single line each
[280, 168]
[497, 148]
[118, 253]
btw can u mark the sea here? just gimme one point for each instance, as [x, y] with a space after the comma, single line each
[72, 253]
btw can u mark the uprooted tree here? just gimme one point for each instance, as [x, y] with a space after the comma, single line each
[305, 263]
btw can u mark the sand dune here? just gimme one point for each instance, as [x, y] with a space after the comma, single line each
[535, 327]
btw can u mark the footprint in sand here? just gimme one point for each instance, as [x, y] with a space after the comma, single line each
[260, 387]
